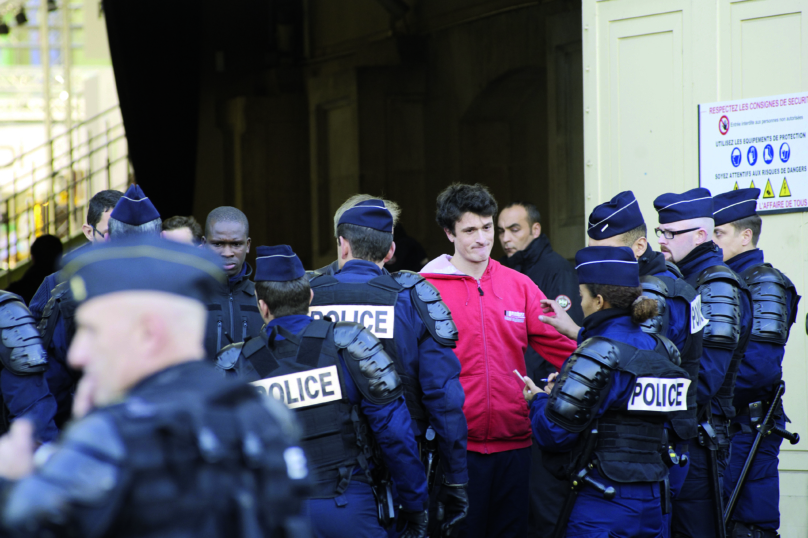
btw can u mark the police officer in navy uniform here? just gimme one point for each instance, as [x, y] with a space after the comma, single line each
[605, 411]
[23, 361]
[168, 447]
[775, 300]
[619, 222]
[416, 328]
[134, 214]
[685, 237]
[347, 396]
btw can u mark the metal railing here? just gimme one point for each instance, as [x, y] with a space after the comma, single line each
[46, 190]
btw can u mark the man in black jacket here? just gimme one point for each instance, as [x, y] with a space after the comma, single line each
[233, 312]
[530, 253]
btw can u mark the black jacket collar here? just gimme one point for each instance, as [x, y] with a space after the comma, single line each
[652, 262]
[530, 256]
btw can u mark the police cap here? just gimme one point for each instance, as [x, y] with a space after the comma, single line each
[617, 216]
[370, 214]
[277, 264]
[693, 204]
[734, 205]
[614, 266]
[144, 263]
[134, 208]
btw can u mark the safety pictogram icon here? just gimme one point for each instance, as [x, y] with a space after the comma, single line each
[735, 188]
[785, 192]
[768, 192]
[752, 185]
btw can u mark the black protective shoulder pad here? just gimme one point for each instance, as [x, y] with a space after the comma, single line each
[321, 280]
[720, 293]
[370, 367]
[770, 303]
[674, 269]
[655, 285]
[666, 347]
[228, 356]
[584, 383]
[433, 311]
[21, 351]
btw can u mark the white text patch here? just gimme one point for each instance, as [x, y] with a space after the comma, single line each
[658, 394]
[697, 319]
[303, 389]
[380, 320]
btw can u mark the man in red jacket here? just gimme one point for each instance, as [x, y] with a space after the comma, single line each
[496, 311]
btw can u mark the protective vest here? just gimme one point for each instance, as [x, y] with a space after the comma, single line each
[629, 438]
[61, 304]
[769, 288]
[720, 289]
[304, 372]
[664, 289]
[373, 303]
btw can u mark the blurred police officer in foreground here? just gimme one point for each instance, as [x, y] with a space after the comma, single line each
[346, 393]
[134, 214]
[167, 448]
[416, 329]
[608, 440]
[232, 314]
[775, 300]
[685, 237]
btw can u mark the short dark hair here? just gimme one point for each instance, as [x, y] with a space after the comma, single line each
[753, 222]
[366, 243]
[99, 203]
[632, 235]
[178, 222]
[458, 198]
[226, 213]
[533, 215]
[118, 229]
[285, 298]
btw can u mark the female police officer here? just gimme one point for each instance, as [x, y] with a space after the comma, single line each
[604, 413]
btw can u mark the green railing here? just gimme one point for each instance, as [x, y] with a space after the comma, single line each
[46, 190]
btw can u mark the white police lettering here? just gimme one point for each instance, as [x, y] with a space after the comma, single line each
[380, 320]
[697, 319]
[659, 394]
[303, 389]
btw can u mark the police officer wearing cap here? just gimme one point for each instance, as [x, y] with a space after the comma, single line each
[685, 237]
[134, 214]
[407, 314]
[346, 393]
[166, 447]
[603, 415]
[775, 300]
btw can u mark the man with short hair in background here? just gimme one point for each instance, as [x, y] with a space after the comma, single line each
[528, 251]
[183, 230]
[232, 313]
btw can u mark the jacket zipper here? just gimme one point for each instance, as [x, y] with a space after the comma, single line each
[219, 335]
[232, 320]
[487, 372]
[243, 329]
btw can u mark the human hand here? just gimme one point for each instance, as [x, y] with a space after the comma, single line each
[548, 388]
[453, 506]
[561, 321]
[530, 391]
[17, 450]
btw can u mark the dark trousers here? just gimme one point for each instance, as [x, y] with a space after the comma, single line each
[547, 495]
[498, 494]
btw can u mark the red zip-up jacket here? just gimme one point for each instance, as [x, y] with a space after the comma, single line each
[496, 317]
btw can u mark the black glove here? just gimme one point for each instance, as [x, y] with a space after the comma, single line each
[453, 506]
[416, 523]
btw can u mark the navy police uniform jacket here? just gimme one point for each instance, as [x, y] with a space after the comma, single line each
[715, 361]
[390, 424]
[436, 368]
